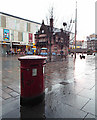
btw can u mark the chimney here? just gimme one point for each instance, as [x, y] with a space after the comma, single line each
[51, 22]
[42, 22]
[61, 29]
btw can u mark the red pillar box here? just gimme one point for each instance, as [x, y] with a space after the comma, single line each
[32, 80]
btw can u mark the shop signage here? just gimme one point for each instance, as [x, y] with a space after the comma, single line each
[6, 34]
[15, 43]
[30, 37]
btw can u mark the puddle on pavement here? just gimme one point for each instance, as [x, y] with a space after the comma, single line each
[64, 83]
[55, 88]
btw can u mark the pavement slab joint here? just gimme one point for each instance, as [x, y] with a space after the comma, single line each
[62, 97]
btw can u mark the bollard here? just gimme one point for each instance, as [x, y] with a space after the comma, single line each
[83, 57]
[80, 57]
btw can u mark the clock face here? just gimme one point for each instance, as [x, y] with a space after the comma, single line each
[42, 31]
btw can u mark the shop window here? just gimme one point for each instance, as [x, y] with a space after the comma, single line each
[15, 24]
[20, 36]
[23, 36]
[3, 21]
[28, 27]
[12, 35]
[36, 28]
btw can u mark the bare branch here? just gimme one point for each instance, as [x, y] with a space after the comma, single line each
[51, 15]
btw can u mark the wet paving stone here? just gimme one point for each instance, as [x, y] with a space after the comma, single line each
[5, 95]
[90, 107]
[87, 93]
[0, 93]
[63, 111]
[62, 100]
[75, 100]
[8, 90]
[9, 108]
[14, 94]
[15, 88]
[71, 99]
[14, 114]
[7, 101]
[89, 116]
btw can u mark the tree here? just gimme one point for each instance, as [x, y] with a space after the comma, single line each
[51, 14]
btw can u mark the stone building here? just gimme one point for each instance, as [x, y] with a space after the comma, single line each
[92, 42]
[16, 33]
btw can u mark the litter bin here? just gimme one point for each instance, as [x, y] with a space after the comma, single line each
[32, 80]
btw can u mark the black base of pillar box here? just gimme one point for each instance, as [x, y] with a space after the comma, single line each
[31, 101]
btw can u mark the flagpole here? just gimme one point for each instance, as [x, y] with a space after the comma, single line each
[75, 27]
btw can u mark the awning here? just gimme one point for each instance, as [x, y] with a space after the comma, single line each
[41, 43]
[4, 43]
[19, 50]
[34, 49]
[15, 44]
[43, 48]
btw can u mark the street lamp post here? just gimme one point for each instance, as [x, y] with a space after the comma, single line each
[11, 41]
[75, 28]
[65, 24]
[50, 37]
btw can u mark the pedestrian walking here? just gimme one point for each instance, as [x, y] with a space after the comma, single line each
[61, 52]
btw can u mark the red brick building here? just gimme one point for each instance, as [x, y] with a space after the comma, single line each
[51, 39]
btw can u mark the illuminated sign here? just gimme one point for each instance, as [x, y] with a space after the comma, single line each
[6, 34]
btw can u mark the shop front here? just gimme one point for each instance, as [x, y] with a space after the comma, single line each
[5, 47]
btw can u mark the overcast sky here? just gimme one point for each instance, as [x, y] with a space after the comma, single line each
[64, 10]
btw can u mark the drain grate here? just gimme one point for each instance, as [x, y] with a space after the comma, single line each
[64, 83]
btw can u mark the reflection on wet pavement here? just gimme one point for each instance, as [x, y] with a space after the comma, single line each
[72, 84]
[69, 89]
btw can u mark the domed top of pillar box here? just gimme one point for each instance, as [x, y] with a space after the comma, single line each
[31, 60]
[29, 57]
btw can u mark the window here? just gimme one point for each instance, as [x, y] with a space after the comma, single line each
[36, 28]
[3, 21]
[42, 31]
[28, 27]
[12, 35]
[20, 36]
